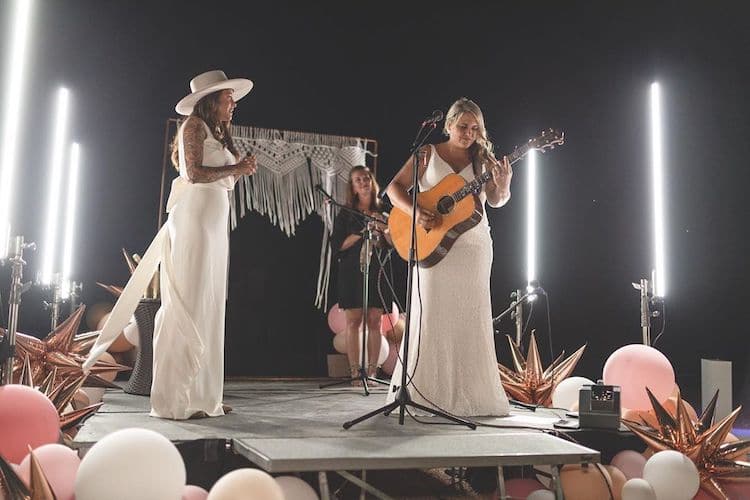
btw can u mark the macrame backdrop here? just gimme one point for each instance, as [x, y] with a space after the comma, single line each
[290, 165]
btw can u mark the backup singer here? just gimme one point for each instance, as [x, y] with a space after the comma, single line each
[452, 360]
[347, 241]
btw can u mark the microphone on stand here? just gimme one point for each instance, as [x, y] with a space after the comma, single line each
[436, 116]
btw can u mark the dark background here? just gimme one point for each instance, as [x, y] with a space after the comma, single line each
[376, 70]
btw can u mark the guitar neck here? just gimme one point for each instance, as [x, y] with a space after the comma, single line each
[476, 185]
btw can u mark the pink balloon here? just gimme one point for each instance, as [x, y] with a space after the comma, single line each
[389, 319]
[336, 319]
[634, 368]
[60, 465]
[390, 362]
[630, 463]
[194, 493]
[522, 487]
[27, 418]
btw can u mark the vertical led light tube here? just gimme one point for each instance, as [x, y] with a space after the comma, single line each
[15, 71]
[657, 171]
[55, 180]
[531, 229]
[70, 218]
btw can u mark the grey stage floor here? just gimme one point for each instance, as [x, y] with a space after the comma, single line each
[292, 425]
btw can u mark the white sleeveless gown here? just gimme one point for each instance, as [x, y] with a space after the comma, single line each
[188, 370]
[452, 360]
[193, 250]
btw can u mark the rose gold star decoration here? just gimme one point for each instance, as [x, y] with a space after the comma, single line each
[61, 396]
[702, 441]
[11, 486]
[38, 482]
[61, 355]
[528, 382]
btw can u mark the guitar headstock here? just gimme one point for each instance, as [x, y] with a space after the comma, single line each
[548, 139]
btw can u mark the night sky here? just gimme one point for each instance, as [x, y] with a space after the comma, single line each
[376, 70]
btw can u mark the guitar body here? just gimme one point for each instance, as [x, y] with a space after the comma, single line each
[454, 199]
[458, 217]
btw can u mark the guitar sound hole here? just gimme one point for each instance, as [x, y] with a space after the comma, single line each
[445, 205]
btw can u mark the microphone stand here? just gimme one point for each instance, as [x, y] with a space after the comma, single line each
[8, 343]
[403, 398]
[516, 308]
[367, 248]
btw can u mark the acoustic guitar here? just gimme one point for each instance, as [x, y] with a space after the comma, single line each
[457, 201]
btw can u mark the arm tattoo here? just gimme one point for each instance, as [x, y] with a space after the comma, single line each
[193, 135]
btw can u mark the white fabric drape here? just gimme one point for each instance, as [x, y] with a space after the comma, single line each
[290, 165]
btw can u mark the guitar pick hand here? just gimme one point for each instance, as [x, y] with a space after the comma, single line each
[427, 218]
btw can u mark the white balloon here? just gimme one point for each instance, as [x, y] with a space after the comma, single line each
[131, 463]
[638, 489]
[566, 392]
[246, 484]
[339, 343]
[672, 475]
[384, 349]
[541, 495]
[132, 334]
[295, 488]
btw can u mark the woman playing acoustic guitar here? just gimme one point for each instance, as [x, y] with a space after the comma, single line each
[452, 360]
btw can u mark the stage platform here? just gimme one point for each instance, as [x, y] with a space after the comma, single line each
[286, 426]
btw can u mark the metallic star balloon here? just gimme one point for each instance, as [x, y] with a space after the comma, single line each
[114, 290]
[11, 486]
[528, 382]
[38, 482]
[62, 395]
[58, 352]
[701, 440]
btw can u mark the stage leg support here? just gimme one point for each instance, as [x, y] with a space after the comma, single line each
[556, 483]
[364, 485]
[501, 483]
[323, 486]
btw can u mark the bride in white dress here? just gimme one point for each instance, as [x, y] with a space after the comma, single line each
[452, 360]
[193, 249]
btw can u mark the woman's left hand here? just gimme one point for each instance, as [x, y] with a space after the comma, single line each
[502, 172]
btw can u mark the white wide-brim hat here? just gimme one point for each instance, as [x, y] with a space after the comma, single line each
[212, 81]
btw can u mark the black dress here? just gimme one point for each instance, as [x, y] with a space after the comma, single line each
[349, 275]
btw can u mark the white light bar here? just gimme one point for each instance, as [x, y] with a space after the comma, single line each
[55, 181]
[12, 115]
[657, 169]
[70, 218]
[531, 220]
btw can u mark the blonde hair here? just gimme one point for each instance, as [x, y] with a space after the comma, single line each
[482, 149]
[352, 198]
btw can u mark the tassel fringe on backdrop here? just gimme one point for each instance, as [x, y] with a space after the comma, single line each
[290, 165]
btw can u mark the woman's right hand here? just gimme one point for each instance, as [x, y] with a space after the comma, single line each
[427, 218]
[247, 165]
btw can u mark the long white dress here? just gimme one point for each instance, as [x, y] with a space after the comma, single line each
[188, 374]
[452, 360]
[193, 249]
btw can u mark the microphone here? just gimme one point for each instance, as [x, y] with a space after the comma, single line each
[436, 116]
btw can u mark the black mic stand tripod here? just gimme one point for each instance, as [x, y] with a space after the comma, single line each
[403, 398]
[367, 247]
